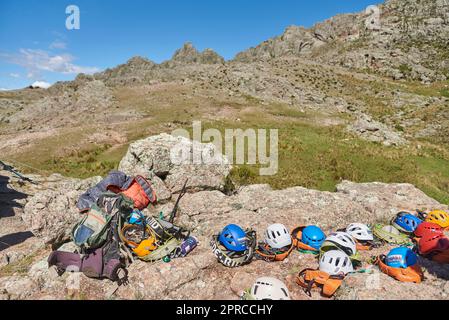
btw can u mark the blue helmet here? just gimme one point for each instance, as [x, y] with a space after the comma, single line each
[406, 222]
[313, 237]
[401, 257]
[233, 238]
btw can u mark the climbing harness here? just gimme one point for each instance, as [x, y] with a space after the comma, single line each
[269, 254]
[310, 278]
[390, 234]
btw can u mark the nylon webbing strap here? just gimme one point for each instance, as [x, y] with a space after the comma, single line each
[231, 259]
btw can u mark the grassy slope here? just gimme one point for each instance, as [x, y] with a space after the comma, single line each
[310, 155]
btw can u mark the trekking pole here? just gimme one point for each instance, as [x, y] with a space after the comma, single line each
[175, 208]
[11, 169]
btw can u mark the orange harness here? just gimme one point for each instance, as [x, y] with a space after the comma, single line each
[265, 252]
[310, 278]
[297, 243]
[363, 247]
[410, 274]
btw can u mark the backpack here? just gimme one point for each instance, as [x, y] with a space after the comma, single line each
[108, 260]
[92, 230]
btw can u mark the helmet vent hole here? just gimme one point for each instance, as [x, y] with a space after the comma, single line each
[285, 292]
[255, 289]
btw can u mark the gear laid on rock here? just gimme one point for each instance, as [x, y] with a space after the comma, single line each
[277, 244]
[267, 288]
[227, 246]
[308, 239]
[406, 222]
[401, 264]
[427, 228]
[433, 242]
[342, 241]
[438, 217]
[362, 235]
[389, 234]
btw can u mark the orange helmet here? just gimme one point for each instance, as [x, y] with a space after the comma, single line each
[439, 217]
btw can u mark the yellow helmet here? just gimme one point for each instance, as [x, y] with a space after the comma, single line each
[140, 239]
[145, 247]
[438, 217]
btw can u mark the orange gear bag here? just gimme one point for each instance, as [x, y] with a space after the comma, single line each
[141, 192]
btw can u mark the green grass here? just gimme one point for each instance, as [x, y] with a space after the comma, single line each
[20, 267]
[309, 155]
[444, 93]
[84, 164]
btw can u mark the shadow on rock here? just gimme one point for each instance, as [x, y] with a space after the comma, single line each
[8, 198]
[440, 271]
[14, 238]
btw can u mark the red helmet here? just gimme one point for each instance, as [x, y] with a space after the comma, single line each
[432, 242]
[428, 228]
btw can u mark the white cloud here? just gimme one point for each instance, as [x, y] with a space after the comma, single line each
[41, 84]
[4, 89]
[14, 75]
[36, 61]
[58, 44]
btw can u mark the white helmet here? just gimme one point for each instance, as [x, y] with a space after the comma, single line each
[344, 241]
[267, 288]
[277, 236]
[336, 262]
[360, 231]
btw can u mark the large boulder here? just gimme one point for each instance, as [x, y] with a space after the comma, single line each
[383, 200]
[51, 213]
[153, 155]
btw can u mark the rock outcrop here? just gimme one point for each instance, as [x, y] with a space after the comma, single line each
[407, 40]
[189, 54]
[375, 131]
[52, 213]
[160, 156]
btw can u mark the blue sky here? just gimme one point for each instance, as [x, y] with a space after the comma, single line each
[35, 44]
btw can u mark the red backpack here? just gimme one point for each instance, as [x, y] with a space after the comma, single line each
[140, 191]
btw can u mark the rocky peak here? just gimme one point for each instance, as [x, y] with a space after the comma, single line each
[139, 61]
[189, 54]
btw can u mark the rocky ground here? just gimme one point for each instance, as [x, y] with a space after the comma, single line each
[38, 217]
